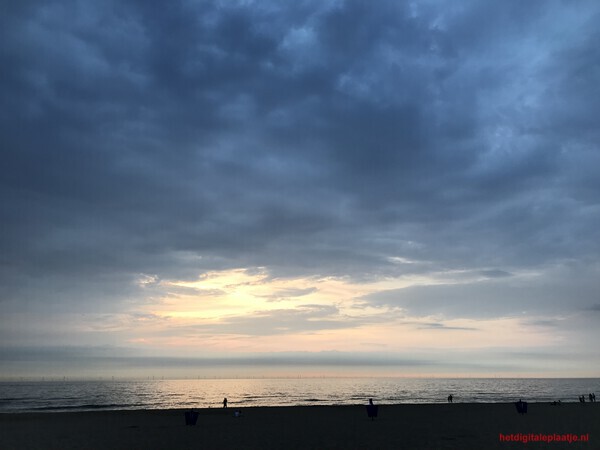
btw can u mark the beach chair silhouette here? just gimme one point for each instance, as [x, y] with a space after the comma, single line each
[191, 417]
[372, 411]
[521, 407]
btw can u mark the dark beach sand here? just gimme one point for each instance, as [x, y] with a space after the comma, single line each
[441, 426]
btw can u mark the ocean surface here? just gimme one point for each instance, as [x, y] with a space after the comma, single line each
[51, 396]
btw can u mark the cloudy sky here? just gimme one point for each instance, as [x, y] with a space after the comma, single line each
[389, 187]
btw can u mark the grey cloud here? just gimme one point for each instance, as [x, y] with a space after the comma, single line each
[284, 294]
[302, 319]
[110, 360]
[566, 291]
[541, 323]
[443, 327]
[383, 160]
[495, 273]
[114, 357]
[311, 139]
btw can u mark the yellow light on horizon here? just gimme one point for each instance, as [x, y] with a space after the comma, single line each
[207, 310]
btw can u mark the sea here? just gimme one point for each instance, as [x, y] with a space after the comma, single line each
[85, 395]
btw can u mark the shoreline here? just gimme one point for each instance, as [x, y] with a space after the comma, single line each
[412, 426]
[232, 406]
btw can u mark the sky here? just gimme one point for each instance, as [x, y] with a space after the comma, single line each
[231, 188]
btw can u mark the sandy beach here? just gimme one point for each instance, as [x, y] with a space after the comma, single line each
[440, 426]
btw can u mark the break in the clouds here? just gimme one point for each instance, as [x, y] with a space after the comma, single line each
[193, 177]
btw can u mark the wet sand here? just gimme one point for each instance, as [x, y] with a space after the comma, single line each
[440, 426]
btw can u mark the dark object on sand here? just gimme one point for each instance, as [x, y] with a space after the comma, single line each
[450, 398]
[521, 407]
[191, 417]
[372, 409]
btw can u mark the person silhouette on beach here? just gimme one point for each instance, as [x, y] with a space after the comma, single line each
[450, 398]
[225, 402]
[372, 409]
[591, 397]
[521, 406]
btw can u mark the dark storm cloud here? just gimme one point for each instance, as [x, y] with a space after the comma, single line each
[145, 138]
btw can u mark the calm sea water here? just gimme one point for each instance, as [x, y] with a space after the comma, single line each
[158, 394]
